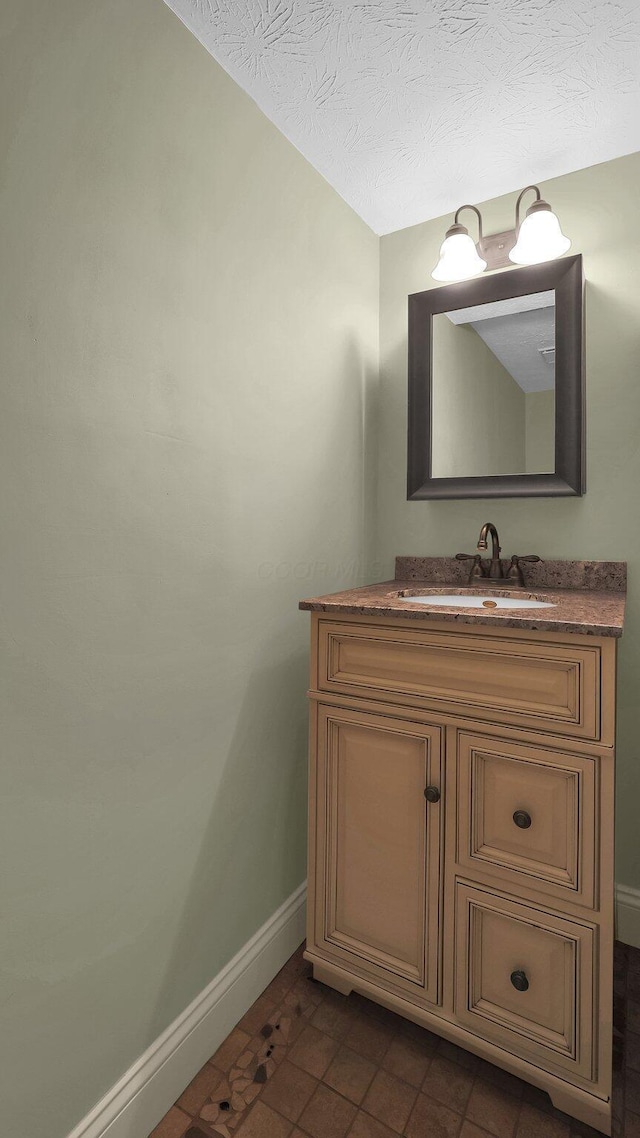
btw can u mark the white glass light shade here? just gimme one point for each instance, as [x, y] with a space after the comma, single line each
[540, 239]
[459, 259]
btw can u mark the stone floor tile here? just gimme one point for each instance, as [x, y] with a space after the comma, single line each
[302, 1000]
[503, 1079]
[448, 1083]
[431, 1119]
[409, 1059]
[420, 1034]
[173, 1125]
[289, 1090]
[279, 987]
[327, 1115]
[365, 1126]
[350, 1074]
[632, 1093]
[335, 1016]
[258, 1014]
[633, 986]
[383, 1015]
[390, 1100]
[369, 1037]
[313, 1051]
[538, 1098]
[457, 1055]
[493, 1109]
[633, 1015]
[263, 1122]
[229, 1051]
[470, 1130]
[533, 1123]
[196, 1094]
[581, 1130]
[363, 1053]
[632, 1051]
[633, 959]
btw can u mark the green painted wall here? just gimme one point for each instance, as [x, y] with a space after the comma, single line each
[478, 408]
[188, 350]
[595, 207]
[188, 330]
[540, 433]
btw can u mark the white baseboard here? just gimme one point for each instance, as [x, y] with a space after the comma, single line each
[145, 1092]
[628, 915]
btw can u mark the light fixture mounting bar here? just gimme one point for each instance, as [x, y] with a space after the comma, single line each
[495, 248]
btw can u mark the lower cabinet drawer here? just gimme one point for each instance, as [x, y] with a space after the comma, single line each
[524, 980]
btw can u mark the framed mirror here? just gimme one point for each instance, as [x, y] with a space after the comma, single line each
[496, 387]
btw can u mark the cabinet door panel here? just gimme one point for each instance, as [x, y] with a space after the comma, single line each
[378, 855]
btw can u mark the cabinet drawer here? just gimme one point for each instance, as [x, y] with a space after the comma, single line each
[524, 980]
[527, 814]
[536, 684]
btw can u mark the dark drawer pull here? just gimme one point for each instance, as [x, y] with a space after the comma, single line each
[432, 794]
[522, 819]
[519, 981]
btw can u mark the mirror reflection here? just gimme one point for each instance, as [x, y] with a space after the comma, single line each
[493, 388]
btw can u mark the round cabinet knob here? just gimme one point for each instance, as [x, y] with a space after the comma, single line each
[522, 819]
[432, 794]
[519, 981]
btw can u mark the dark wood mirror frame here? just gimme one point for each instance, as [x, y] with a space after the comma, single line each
[565, 277]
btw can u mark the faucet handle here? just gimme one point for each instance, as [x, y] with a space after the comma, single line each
[514, 572]
[477, 569]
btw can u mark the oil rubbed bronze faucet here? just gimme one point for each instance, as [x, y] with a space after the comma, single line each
[496, 572]
[493, 573]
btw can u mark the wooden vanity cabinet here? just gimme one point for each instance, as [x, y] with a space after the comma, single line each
[461, 839]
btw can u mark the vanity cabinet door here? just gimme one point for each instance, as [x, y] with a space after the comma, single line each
[377, 848]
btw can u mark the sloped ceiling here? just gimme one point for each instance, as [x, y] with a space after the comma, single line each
[411, 107]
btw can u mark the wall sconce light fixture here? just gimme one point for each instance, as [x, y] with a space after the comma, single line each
[536, 239]
[459, 255]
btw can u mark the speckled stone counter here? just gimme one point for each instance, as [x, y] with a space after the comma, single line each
[589, 596]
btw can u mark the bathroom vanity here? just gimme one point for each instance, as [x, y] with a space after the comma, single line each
[461, 823]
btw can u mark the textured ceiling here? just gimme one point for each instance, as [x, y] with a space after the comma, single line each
[410, 107]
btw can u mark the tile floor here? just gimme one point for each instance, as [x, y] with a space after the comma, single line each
[305, 1062]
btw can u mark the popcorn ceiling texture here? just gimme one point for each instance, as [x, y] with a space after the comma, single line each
[411, 107]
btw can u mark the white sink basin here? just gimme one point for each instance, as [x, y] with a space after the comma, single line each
[475, 601]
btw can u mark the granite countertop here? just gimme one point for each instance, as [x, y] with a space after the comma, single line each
[589, 596]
